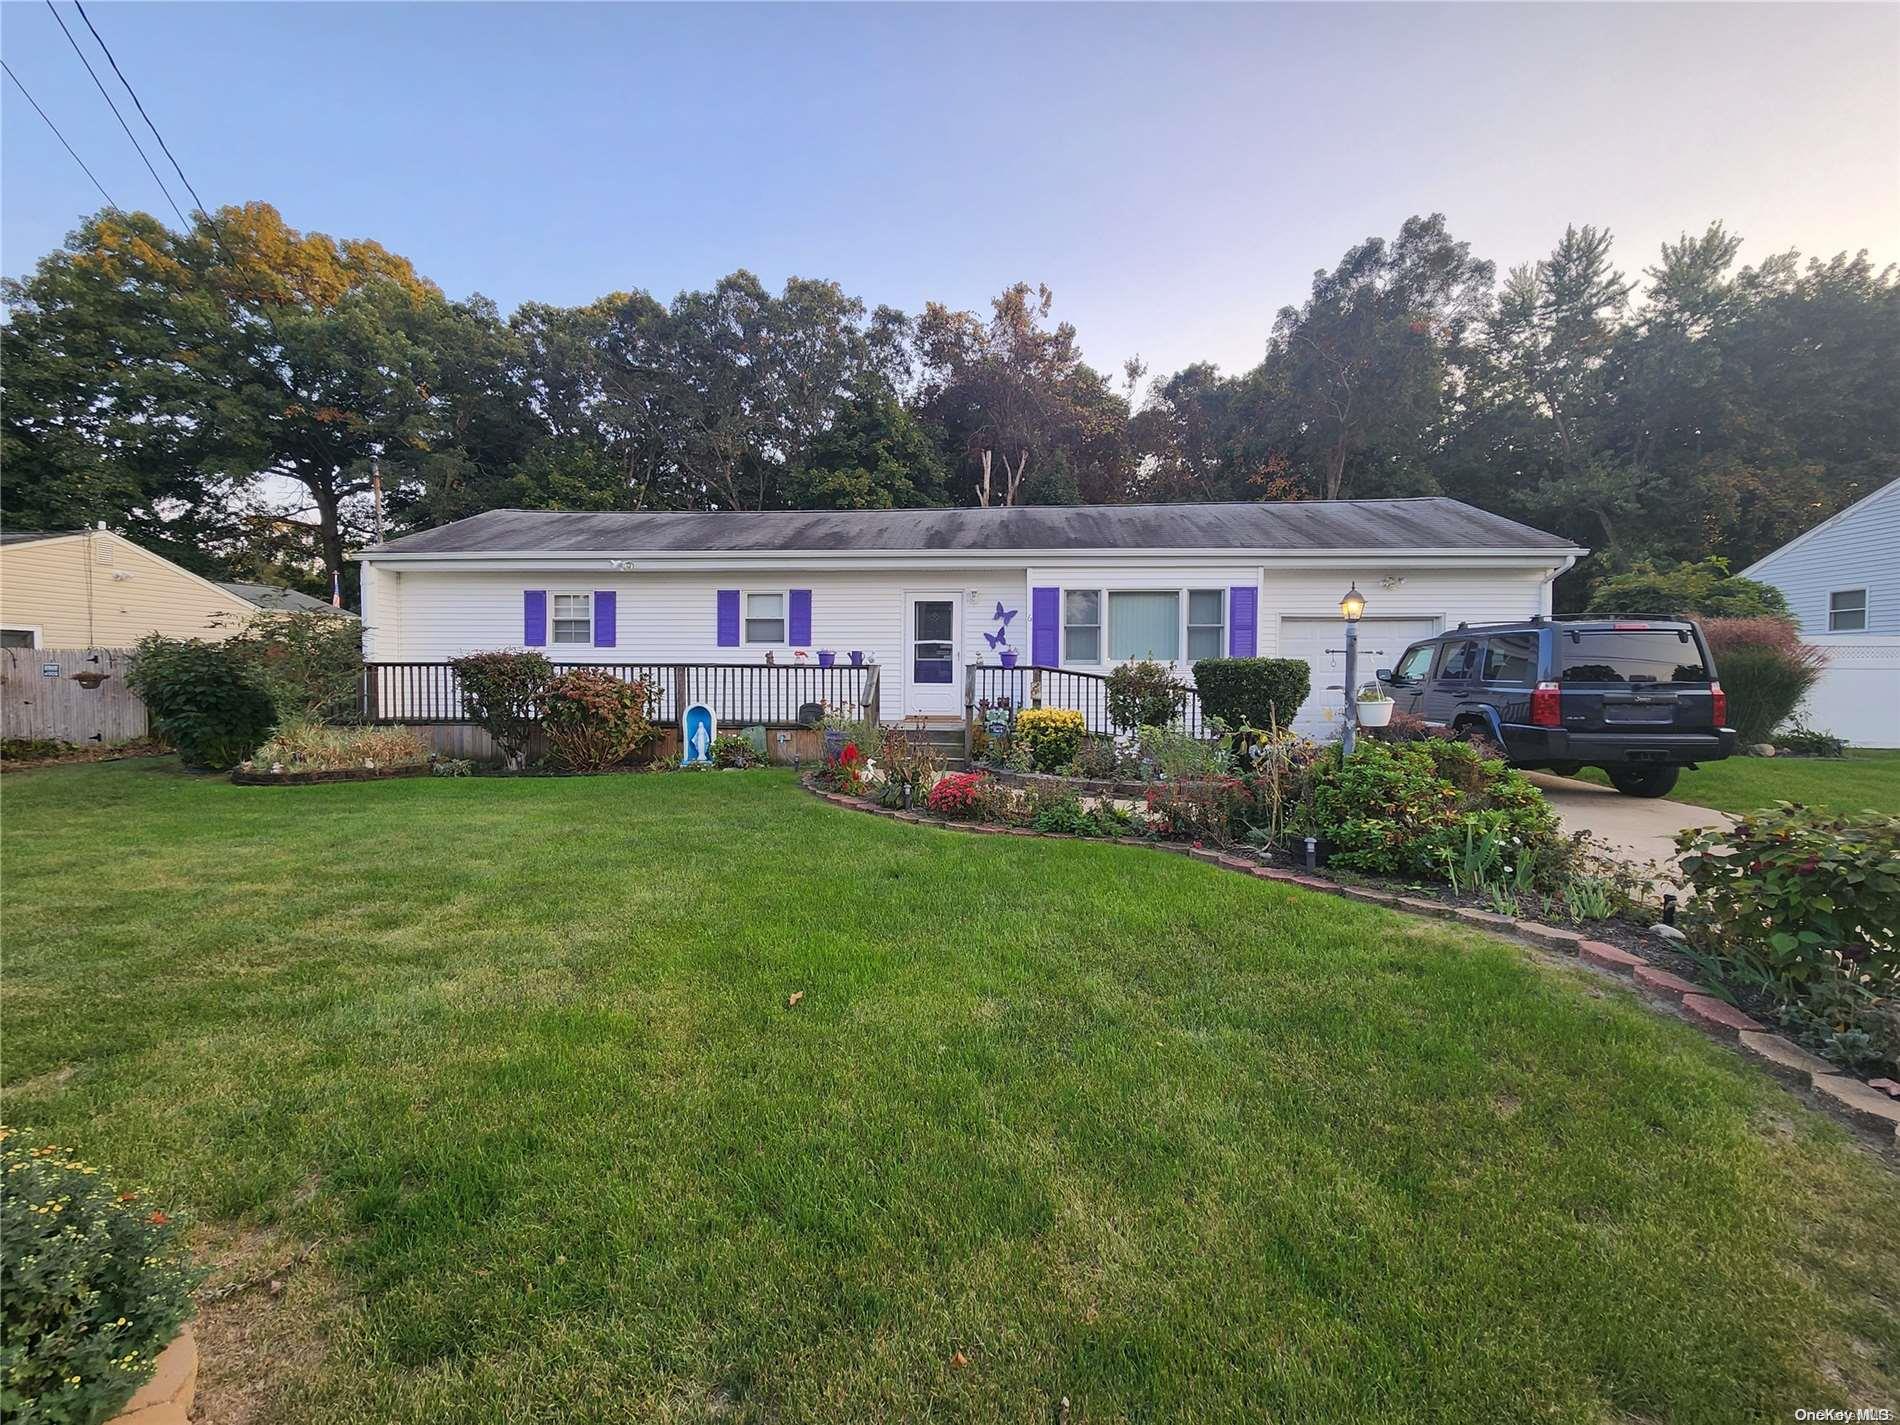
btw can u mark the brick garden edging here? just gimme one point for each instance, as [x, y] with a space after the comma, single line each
[1861, 1105]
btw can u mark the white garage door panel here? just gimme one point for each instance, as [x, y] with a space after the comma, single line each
[1381, 641]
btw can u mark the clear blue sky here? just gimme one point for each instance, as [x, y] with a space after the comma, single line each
[1175, 173]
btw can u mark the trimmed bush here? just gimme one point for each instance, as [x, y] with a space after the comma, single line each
[732, 750]
[1413, 808]
[1144, 694]
[499, 691]
[1765, 669]
[1705, 589]
[1790, 895]
[1253, 692]
[203, 698]
[1052, 736]
[93, 1286]
[594, 720]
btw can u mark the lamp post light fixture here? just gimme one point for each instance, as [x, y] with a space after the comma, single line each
[1351, 607]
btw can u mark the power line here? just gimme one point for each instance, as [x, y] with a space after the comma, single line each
[57, 134]
[142, 114]
[117, 115]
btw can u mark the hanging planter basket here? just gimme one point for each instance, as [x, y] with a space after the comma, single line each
[1377, 714]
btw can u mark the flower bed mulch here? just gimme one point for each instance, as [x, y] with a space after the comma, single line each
[311, 776]
[1637, 958]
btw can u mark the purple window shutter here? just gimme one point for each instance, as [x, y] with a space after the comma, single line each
[798, 632]
[1243, 620]
[728, 618]
[534, 618]
[1045, 627]
[606, 611]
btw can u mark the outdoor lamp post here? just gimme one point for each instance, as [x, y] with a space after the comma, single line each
[1352, 606]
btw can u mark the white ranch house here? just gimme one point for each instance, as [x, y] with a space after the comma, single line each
[926, 596]
[1842, 582]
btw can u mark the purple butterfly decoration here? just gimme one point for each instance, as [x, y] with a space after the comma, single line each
[1003, 615]
[997, 639]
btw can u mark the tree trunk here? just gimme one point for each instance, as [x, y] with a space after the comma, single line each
[1336, 468]
[329, 523]
[983, 487]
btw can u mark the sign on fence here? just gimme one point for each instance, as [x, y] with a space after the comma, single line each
[69, 695]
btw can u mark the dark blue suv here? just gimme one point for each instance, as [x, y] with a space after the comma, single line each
[1637, 697]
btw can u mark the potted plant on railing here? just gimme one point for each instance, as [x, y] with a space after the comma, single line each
[827, 657]
[1008, 656]
[1373, 707]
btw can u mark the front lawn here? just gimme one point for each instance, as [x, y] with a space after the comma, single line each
[487, 1100]
[1864, 779]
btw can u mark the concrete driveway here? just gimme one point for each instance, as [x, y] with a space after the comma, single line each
[1640, 829]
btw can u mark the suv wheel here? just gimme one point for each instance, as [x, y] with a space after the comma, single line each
[1643, 781]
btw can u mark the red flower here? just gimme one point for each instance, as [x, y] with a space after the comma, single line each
[158, 1219]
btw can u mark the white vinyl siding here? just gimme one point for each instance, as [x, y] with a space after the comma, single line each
[1857, 552]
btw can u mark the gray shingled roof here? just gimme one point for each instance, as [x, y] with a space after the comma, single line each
[1431, 523]
[278, 600]
[28, 536]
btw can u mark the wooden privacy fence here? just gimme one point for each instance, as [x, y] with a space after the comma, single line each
[1033, 687]
[69, 695]
[740, 694]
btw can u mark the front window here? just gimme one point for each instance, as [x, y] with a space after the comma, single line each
[1146, 624]
[1207, 629]
[1511, 659]
[1655, 655]
[573, 618]
[1082, 626]
[1847, 611]
[765, 618]
[1415, 664]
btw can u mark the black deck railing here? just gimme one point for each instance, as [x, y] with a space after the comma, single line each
[1041, 687]
[740, 694]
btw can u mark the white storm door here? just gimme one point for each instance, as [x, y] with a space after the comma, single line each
[933, 681]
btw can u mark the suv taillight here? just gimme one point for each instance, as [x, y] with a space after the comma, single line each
[1721, 704]
[1546, 706]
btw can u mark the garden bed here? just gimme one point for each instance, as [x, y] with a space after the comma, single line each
[252, 777]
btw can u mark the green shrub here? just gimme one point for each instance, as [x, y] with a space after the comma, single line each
[1803, 741]
[593, 720]
[93, 1286]
[1765, 669]
[1170, 753]
[1416, 808]
[1144, 694]
[730, 749]
[309, 746]
[1253, 692]
[1849, 1023]
[1791, 895]
[310, 664]
[1706, 590]
[1049, 736]
[499, 691]
[203, 698]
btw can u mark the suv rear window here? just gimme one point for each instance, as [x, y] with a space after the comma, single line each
[1655, 655]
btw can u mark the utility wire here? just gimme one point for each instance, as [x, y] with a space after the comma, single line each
[117, 115]
[58, 135]
[202, 209]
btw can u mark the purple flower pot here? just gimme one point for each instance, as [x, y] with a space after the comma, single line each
[857, 658]
[1009, 660]
[826, 658]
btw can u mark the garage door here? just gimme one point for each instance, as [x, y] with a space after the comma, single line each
[1381, 641]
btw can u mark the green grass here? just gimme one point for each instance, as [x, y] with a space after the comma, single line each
[1864, 779]
[1175, 1144]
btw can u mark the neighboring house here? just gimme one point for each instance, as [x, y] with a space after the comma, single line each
[1842, 582]
[90, 588]
[925, 593]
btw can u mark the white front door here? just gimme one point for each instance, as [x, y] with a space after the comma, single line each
[933, 681]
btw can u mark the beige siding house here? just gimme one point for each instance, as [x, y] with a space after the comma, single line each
[96, 589]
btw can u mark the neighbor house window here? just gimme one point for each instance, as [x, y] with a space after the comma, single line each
[1207, 625]
[573, 618]
[1144, 624]
[1847, 611]
[1082, 626]
[765, 618]
[18, 638]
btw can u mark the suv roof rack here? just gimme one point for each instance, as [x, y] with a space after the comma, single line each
[1567, 618]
